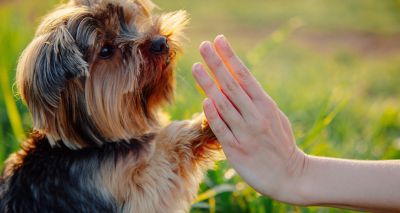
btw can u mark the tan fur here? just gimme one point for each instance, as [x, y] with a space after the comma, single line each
[166, 176]
[74, 95]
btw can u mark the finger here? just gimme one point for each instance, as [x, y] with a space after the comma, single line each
[218, 126]
[229, 85]
[225, 108]
[242, 74]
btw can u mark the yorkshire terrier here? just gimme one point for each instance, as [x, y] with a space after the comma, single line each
[94, 79]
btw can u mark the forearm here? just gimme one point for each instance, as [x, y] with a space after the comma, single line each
[363, 185]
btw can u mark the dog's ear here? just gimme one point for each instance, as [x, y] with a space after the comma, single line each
[45, 66]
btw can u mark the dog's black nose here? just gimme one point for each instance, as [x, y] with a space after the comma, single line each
[159, 45]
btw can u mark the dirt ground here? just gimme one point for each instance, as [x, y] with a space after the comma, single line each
[367, 44]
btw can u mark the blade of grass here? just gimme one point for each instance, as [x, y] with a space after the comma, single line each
[2, 145]
[215, 191]
[7, 64]
[325, 118]
[11, 106]
[212, 204]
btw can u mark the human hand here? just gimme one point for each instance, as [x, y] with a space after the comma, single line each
[255, 134]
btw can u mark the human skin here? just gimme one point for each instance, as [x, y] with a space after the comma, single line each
[258, 141]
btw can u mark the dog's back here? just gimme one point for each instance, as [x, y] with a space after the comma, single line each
[58, 179]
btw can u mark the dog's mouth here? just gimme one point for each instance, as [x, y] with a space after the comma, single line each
[168, 60]
[170, 57]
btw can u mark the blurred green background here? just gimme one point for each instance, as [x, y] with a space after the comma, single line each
[333, 67]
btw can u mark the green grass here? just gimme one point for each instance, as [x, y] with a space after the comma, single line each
[343, 100]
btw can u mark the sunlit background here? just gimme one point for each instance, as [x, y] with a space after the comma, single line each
[333, 66]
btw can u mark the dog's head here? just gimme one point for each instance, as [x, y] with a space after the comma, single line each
[98, 70]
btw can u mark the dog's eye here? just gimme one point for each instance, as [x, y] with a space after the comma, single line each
[106, 51]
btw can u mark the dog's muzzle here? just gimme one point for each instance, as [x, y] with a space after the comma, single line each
[159, 45]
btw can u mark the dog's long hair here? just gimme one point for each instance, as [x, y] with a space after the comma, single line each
[77, 97]
[94, 82]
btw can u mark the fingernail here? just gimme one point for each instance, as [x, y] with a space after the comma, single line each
[205, 46]
[197, 69]
[221, 37]
[221, 40]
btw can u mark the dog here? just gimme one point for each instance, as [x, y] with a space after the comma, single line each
[95, 78]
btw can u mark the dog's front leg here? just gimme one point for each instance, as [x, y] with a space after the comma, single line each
[190, 144]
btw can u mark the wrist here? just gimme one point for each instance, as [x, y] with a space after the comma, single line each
[293, 186]
[304, 187]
